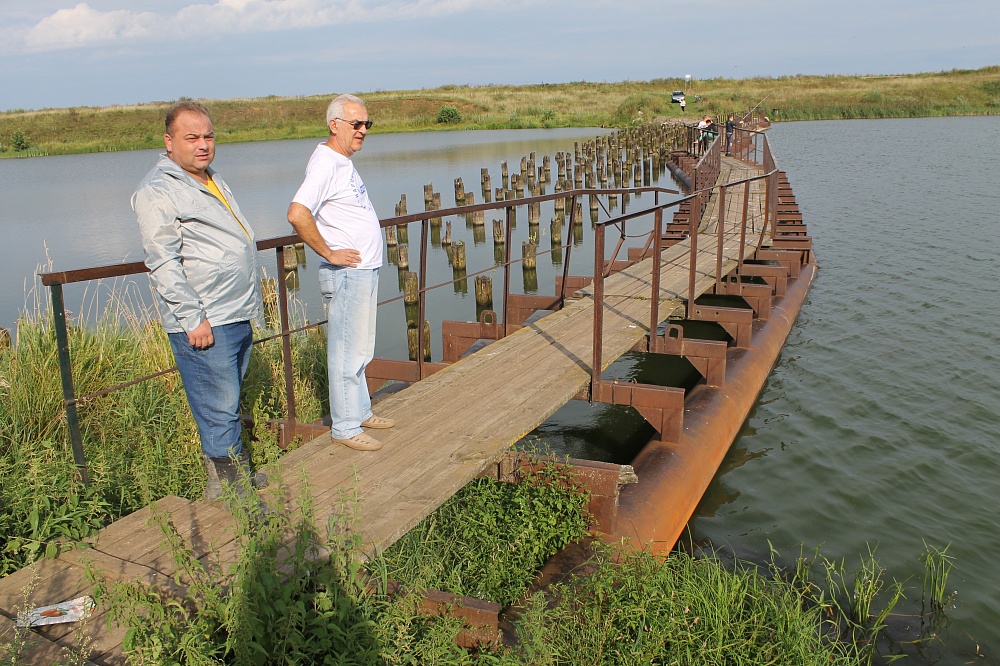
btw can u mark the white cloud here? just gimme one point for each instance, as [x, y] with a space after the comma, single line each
[82, 25]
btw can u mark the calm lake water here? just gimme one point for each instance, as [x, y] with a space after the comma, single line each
[878, 427]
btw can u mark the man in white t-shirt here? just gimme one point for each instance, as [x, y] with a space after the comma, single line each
[332, 214]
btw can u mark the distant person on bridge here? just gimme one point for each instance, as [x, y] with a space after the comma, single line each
[704, 135]
[331, 212]
[731, 125]
[203, 268]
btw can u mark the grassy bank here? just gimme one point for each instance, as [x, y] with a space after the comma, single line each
[489, 541]
[578, 104]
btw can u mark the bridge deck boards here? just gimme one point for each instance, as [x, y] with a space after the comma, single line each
[450, 426]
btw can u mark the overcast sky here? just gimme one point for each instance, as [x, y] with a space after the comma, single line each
[56, 53]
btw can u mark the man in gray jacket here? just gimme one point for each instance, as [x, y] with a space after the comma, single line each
[202, 263]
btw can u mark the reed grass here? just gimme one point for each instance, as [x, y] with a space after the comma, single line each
[576, 104]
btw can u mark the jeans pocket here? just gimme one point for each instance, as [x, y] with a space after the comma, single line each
[329, 280]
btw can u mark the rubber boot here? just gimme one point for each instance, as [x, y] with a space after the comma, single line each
[213, 486]
[257, 479]
[235, 473]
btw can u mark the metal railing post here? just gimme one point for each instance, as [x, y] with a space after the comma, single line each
[506, 266]
[693, 235]
[595, 371]
[286, 343]
[66, 372]
[654, 306]
[721, 237]
[743, 227]
[422, 296]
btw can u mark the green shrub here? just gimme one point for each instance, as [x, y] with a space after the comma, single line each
[19, 141]
[449, 115]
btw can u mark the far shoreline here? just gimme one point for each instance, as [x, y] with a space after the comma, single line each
[77, 130]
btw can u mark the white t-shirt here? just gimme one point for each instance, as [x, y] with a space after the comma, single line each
[336, 197]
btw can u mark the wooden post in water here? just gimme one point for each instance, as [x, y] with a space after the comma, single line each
[534, 212]
[447, 233]
[411, 288]
[459, 192]
[428, 195]
[300, 253]
[401, 206]
[403, 261]
[458, 255]
[390, 236]
[487, 186]
[504, 175]
[290, 260]
[529, 253]
[484, 290]
[414, 344]
[498, 232]
[517, 184]
[479, 216]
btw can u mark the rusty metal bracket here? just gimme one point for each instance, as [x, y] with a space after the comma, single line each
[458, 336]
[382, 370]
[707, 356]
[738, 322]
[574, 283]
[793, 260]
[520, 307]
[662, 406]
[773, 273]
[758, 296]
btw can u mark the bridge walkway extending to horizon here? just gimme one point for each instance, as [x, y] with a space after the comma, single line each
[450, 427]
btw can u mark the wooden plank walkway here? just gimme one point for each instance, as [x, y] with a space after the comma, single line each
[451, 426]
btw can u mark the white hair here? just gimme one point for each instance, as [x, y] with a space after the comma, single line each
[336, 108]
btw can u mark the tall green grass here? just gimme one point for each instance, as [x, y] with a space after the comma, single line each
[140, 442]
[282, 603]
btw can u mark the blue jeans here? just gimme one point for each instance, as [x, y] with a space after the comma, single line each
[212, 379]
[351, 296]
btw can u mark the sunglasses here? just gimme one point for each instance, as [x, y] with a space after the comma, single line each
[356, 124]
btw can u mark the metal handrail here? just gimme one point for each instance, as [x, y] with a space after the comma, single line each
[708, 164]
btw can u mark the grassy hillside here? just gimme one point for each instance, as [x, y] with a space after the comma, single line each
[88, 129]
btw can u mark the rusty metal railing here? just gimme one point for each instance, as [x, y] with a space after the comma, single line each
[707, 165]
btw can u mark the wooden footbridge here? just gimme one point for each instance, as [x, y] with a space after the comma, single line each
[460, 420]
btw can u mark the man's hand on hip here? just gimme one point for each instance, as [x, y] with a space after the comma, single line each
[201, 337]
[348, 257]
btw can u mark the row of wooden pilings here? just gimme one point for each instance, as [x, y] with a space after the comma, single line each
[631, 157]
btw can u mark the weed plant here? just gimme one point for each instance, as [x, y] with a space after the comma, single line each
[490, 539]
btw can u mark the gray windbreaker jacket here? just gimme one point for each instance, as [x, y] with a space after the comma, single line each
[202, 265]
